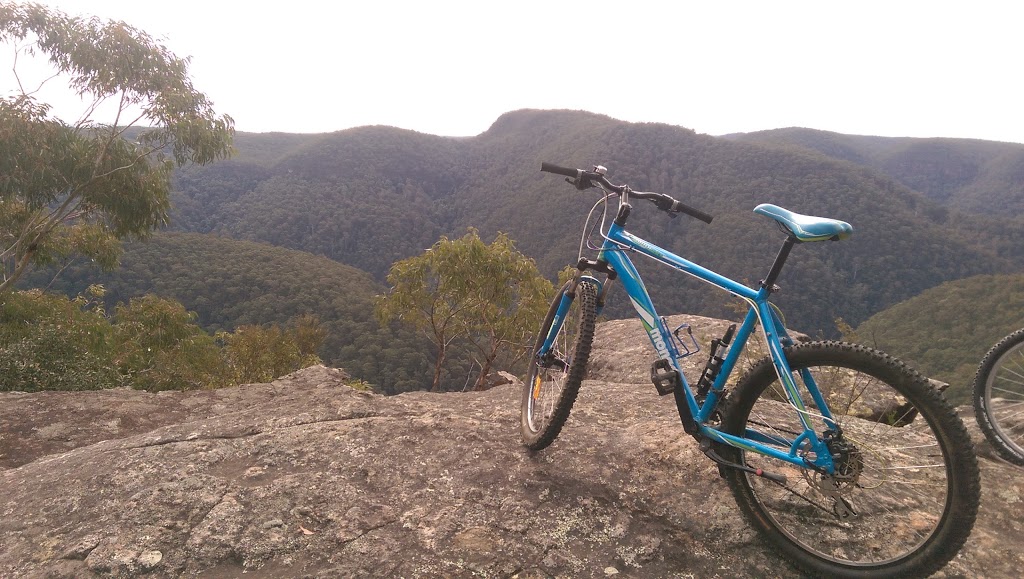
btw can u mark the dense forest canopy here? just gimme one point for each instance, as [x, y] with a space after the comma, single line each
[370, 196]
[977, 176]
[350, 204]
[230, 283]
[946, 330]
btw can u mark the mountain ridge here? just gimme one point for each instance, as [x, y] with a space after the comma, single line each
[372, 195]
[367, 196]
[945, 331]
[973, 175]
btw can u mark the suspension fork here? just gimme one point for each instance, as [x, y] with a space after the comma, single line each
[567, 297]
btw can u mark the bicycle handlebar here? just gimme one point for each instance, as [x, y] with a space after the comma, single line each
[680, 207]
[552, 168]
[585, 179]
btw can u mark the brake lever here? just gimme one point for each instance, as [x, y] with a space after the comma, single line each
[580, 183]
[665, 204]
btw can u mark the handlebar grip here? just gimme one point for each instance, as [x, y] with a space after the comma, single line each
[552, 168]
[697, 213]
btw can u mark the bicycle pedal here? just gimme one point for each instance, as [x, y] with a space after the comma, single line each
[664, 377]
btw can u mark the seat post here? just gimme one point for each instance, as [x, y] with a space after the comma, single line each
[780, 260]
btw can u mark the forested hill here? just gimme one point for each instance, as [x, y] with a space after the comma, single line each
[369, 196]
[230, 283]
[946, 330]
[978, 176]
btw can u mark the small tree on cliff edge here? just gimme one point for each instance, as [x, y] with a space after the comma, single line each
[491, 294]
[79, 189]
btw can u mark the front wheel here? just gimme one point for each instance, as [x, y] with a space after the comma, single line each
[999, 397]
[555, 376]
[905, 491]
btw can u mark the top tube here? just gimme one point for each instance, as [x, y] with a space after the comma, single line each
[620, 238]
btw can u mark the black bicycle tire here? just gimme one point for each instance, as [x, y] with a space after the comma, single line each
[962, 474]
[586, 295]
[993, 360]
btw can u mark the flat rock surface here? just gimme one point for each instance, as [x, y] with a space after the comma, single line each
[305, 477]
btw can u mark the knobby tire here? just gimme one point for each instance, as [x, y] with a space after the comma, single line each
[549, 393]
[999, 397]
[909, 472]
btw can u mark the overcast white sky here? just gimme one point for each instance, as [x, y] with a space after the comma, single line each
[445, 67]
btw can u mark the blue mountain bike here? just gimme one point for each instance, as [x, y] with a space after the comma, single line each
[845, 460]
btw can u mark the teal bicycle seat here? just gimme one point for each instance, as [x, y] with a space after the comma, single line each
[806, 227]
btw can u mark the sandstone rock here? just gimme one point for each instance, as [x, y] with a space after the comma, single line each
[305, 477]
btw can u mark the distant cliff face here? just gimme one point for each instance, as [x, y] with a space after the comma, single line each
[305, 477]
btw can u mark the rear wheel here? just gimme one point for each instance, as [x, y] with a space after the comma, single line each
[905, 493]
[555, 377]
[999, 397]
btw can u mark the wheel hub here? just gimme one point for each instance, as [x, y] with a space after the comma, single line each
[847, 458]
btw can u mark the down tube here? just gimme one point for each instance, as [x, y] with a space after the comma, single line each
[656, 330]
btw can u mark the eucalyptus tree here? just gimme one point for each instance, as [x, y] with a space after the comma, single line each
[487, 295]
[80, 187]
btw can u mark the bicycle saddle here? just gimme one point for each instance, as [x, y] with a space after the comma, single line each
[806, 227]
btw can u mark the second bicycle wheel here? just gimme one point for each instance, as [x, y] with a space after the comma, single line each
[999, 397]
[905, 492]
[555, 377]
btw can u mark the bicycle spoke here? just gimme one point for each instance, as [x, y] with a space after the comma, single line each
[1005, 379]
[1001, 411]
[1014, 392]
[1017, 374]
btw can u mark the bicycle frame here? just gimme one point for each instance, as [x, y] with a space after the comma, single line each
[826, 516]
[614, 252]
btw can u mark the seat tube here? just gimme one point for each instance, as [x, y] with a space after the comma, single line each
[778, 356]
[782, 368]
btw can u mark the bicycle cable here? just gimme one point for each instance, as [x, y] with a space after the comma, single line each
[588, 230]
